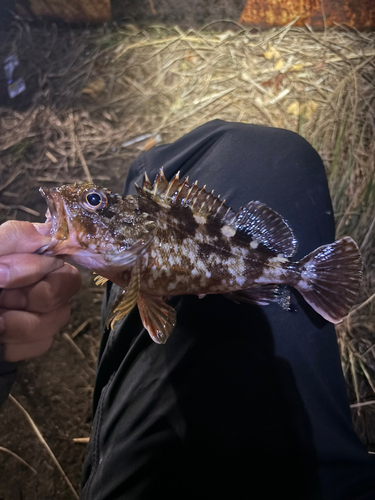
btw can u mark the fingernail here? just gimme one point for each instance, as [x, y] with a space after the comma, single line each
[4, 275]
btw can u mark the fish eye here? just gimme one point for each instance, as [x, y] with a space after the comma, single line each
[94, 200]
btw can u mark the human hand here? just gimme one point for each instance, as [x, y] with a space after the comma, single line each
[36, 290]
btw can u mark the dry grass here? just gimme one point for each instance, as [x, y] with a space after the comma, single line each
[89, 92]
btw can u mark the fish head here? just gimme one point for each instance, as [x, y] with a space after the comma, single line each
[97, 228]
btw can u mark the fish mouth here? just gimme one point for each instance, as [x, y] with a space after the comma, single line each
[55, 213]
[51, 212]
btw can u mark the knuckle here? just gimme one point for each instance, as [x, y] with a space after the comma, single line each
[20, 352]
[45, 265]
[65, 315]
[19, 327]
[44, 346]
[48, 296]
[15, 235]
[10, 226]
[58, 319]
[12, 353]
[76, 279]
[13, 228]
[69, 280]
[73, 271]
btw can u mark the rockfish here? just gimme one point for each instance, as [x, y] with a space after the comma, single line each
[175, 238]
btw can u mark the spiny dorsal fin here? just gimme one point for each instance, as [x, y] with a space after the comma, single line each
[182, 193]
[265, 226]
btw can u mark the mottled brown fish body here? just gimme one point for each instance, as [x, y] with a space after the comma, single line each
[175, 238]
[202, 260]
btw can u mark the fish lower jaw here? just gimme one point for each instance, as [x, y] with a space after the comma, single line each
[50, 249]
[102, 263]
[79, 256]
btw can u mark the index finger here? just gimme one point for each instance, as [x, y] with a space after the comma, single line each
[21, 237]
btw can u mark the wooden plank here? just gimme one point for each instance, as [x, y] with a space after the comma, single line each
[316, 13]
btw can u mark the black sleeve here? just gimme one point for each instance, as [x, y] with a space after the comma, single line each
[242, 401]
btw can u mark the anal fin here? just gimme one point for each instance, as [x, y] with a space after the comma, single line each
[127, 299]
[157, 317]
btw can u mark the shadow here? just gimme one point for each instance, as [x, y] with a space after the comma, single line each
[241, 418]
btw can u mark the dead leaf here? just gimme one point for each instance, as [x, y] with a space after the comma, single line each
[271, 53]
[296, 67]
[191, 57]
[305, 110]
[294, 108]
[279, 65]
[274, 81]
[177, 104]
[94, 88]
[309, 109]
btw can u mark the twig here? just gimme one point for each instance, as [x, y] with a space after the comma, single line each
[83, 163]
[358, 308]
[79, 352]
[81, 440]
[5, 450]
[367, 375]
[368, 234]
[152, 6]
[366, 403]
[353, 370]
[10, 180]
[323, 15]
[80, 328]
[21, 207]
[44, 443]
[73, 344]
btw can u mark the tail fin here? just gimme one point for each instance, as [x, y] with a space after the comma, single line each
[331, 277]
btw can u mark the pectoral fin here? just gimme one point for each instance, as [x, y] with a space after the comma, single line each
[158, 318]
[126, 300]
[100, 280]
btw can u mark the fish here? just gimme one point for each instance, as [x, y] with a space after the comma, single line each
[176, 238]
